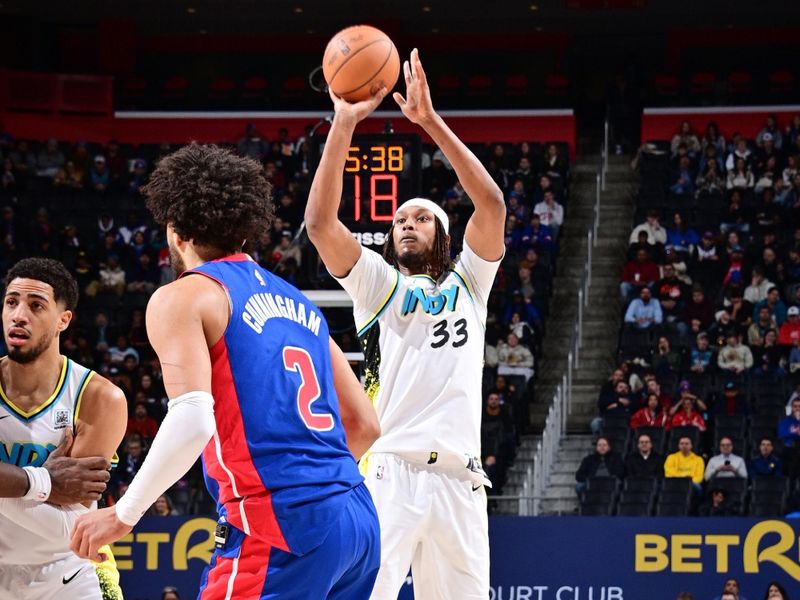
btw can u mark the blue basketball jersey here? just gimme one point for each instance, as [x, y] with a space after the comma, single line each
[278, 464]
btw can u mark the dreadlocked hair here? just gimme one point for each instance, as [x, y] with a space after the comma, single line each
[439, 257]
[211, 197]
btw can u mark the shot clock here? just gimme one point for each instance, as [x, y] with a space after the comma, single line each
[380, 173]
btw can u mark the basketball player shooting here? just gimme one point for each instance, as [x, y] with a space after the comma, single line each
[421, 322]
[257, 385]
[43, 397]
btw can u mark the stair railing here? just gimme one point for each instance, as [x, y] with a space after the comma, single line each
[555, 426]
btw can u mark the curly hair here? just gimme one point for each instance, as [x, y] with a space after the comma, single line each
[211, 197]
[51, 272]
[438, 260]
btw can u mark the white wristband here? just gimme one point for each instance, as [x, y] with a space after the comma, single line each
[39, 484]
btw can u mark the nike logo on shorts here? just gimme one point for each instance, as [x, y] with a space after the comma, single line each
[66, 580]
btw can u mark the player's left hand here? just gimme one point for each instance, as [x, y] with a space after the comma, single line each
[94, 530]
[417, 105]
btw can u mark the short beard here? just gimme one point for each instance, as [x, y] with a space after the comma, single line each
[415, 262]
[26, 357]
[176, 262]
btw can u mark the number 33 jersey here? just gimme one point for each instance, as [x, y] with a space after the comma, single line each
[423, 342]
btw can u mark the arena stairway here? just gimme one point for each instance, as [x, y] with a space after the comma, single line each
[601, 317]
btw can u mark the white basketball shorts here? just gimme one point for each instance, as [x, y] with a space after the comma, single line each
[433, 521]
[69, 578]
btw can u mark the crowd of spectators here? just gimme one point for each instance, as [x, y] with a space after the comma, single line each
[706, 387]
[731, 590]
[80, 203]
[535, 181]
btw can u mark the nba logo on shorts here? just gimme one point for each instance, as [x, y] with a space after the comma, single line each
[379, 472]
[61, 418]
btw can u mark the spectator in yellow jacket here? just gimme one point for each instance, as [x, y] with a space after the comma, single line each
[685, 463]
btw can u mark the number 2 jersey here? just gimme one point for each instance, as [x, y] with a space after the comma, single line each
[278, 464]
[423, 342]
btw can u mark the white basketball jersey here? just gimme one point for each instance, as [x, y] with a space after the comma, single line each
[423, 342]
[27, 439]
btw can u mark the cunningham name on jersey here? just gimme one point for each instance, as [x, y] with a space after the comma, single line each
[264, 306]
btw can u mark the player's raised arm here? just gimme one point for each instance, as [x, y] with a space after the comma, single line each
[175, 326]
[334, 242]
[359, 418]
[484, 232]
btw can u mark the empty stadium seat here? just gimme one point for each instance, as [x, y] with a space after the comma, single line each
[666, 85]
[556, 85]
[676, 484]
[293, 87]
[782, 82]
[633, 509]
[175, 88]
[771, 484]
[640, 484]
[740, 82]
[636, 497]
[596, 510]
[672, 509]
[448, 85]
[479, 85]
[702, 83]
[762, 496]
[602, 484]
[517, 84]
[255, 88]
[770, 509]
[221, 88]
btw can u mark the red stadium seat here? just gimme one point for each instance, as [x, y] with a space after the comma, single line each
[702, 82]
[175, 88]
[254, 87]
[221, 88]
[448, 85]
[517, 84]
[134, 87]
[294, 87]
[556, 85]
[740, 82]
[479, 85]
[782, 81]
[666, 85]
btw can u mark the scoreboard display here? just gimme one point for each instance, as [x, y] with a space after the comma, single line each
[380, 173]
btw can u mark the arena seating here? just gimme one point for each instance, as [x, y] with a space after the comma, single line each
[764, 233]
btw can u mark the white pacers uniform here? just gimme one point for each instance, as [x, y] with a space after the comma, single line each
[34, 567]
[423, 342]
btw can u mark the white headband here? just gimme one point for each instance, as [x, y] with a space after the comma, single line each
[428, 205]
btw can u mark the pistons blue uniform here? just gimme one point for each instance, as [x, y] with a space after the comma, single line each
[297, 520]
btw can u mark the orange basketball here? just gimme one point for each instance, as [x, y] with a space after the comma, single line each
[359, 61]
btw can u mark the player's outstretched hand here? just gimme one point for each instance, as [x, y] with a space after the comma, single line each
[94, 530]
[75, 480]
[417, 105]
[352, 113]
